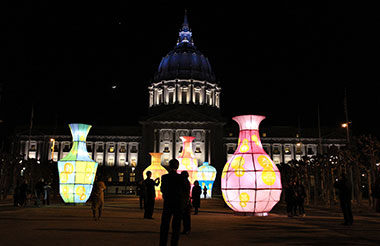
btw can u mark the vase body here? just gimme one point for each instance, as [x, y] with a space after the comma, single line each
[187, 161]
[206, 177]
[157, 171]
[251, 182]
[77, 170]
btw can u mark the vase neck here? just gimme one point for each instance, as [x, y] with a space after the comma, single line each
[248, 122]
[79, 132]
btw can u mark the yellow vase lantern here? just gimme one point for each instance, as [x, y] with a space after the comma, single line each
[77, 170]
[157, 171]
[251, 182]
[206, 178]
[187, 161]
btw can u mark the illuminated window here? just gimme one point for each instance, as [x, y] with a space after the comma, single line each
[132, 177]
[121, 177]
[287, 150]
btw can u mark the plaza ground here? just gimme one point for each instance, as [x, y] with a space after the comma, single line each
[123, 224]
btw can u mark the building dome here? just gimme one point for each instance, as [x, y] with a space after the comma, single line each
[185, 61]
[184, 76]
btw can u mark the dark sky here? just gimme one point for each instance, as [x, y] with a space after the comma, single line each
[279, 59]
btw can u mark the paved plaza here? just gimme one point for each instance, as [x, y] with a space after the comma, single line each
[123, 224]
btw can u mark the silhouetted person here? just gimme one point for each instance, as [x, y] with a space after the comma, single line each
[97, 202]
[150, 194]
[174, 193]
[376, 193]
[16, 195]
[205, 191]
[186, 217]
[46, 194]
[141, 193]
[196, 196]
[344, 191]
[290, 198]
[39, 191]
[24, 189]
[300, 197]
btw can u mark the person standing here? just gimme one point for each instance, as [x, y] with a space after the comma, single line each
[173, 188]
[150, 194]
[196, 196]
[141, 193]
[376, 193]
[205, 191]
[97, 203]
[290, 198]
[344, 190]
[187, 212]
[300, 197]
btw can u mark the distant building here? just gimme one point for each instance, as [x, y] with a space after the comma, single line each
[184, 100]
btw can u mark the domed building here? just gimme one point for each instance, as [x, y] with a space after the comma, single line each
[184, 100]
[184, 76]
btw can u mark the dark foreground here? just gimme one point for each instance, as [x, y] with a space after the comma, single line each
[123, 224]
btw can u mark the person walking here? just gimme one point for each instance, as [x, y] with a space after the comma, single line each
[150, 194]
[173, 188]
[97, 203]
[344, 192]
[141, 193]
[186, 217]
[196, 196]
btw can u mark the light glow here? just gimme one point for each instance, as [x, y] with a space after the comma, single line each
[251, 182]
[77, 170]
[187, 161]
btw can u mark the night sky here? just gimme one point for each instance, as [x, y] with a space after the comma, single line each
[279, 59]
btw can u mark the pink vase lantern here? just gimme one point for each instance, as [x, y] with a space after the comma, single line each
[251, 182]
[187, 161]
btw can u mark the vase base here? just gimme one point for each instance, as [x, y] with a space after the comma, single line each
[250, 214]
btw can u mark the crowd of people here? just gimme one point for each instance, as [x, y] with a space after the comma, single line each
[295, 197]
[24, 193]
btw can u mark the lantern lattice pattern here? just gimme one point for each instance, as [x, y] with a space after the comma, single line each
[206, 177]
[187, 161]
[77, 170]
[251, 182]
[157, 171]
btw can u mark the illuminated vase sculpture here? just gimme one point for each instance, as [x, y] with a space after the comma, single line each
[157, 171]
[206, 177]
[187, 161]
[77, 170]
[251, 182]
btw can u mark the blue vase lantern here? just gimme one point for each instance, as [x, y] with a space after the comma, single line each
[77, 170]
[206, 177]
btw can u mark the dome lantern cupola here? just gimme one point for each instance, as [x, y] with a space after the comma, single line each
[184, 75]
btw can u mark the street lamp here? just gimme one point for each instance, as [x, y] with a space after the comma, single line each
[52, 140]
[347, 126]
